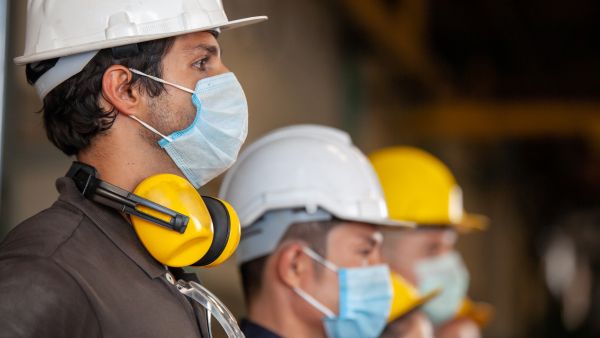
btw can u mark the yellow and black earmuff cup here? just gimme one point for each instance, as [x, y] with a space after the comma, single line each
[166, 245]
[212, 232]
[227, 230]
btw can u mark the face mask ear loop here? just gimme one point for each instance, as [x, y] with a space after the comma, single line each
[310, 253]
[149, 127]
[315, 303]
[157, 79]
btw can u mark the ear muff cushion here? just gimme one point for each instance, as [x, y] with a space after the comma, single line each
[221, 227]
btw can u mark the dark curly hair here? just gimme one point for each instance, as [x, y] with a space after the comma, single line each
[72, 115]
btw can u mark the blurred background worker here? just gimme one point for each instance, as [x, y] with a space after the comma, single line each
[310, 203]
[420, 188]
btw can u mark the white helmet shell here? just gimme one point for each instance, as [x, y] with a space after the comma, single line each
[306, 166]
[57, 28]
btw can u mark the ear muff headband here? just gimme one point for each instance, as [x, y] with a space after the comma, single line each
[114, 197]
[221, 227]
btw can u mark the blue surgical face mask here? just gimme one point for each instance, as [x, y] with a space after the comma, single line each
[365, 296]
[446, 272]
[210, 145]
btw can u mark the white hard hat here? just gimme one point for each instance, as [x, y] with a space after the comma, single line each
[57, 28]
[310, 167]
[75, 30]
[300, 174]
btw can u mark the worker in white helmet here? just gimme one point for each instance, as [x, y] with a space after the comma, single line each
[131, 89]
[310, 206]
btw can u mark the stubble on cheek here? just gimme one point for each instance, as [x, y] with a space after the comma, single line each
[166, 118]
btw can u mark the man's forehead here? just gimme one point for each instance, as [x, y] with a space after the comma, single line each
[422, 234]
[361, 231]
[196, 41]
[447, 236]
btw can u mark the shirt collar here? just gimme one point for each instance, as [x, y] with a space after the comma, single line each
[113, 225]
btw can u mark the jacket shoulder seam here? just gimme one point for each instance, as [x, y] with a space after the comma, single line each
[87, 298]
[64, 241]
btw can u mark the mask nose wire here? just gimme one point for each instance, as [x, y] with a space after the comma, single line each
[157, 79]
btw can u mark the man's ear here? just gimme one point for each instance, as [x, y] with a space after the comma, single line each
[292, 265]
[118, 92]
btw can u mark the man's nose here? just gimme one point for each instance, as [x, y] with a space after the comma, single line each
[376, 257]
[221, 69]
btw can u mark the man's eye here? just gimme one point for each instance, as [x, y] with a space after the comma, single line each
[365, 252]
[201, 64]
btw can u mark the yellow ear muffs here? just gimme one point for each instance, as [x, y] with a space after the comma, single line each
[227, 230]
[212, 231]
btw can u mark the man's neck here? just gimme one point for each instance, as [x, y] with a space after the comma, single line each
[125, 161]
[275, 314]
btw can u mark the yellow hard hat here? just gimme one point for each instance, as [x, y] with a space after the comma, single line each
[420, 188]
[210, 237]
[405, 297]
[481, 313]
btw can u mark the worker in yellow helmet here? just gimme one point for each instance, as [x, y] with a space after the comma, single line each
[418, 187]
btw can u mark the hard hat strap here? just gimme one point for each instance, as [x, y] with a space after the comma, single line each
[263, 236]
[64, 68]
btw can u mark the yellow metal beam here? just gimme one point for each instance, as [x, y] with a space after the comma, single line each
[499, 120]
[401, 32]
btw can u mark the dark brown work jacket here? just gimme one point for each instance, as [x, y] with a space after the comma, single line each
[77, 269]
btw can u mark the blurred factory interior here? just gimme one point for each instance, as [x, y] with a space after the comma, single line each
[507, 93]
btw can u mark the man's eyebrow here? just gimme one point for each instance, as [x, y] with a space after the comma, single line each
[370, 240]
[210, 48]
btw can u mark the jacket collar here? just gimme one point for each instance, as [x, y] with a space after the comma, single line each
[113, 225]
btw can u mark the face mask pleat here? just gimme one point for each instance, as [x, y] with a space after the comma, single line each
[365, 295]
[446, 272]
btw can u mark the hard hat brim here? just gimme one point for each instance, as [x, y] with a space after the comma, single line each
[55, 53]
[472, 222]
[386, 222]
[418, 304]
[468, 223]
